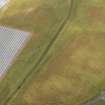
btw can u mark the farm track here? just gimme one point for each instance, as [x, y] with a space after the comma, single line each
[71, 8]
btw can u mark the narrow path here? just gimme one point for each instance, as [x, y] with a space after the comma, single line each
[95, 99]
[71, 8]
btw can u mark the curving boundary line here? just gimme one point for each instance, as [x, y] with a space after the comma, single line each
[71, 8]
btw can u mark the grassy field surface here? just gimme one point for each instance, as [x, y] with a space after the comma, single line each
[100, 103]
[73, 70]
[41, 18]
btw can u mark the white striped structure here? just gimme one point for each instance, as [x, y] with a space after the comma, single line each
[11, 41]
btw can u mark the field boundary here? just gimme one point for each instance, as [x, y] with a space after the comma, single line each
[71, 8]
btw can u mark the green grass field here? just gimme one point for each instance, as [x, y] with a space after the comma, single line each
[71, 67]
[100, 103]
[43, 20]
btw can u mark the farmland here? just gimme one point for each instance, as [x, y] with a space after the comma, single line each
[100, 103]
[43, 21]
[66, 55]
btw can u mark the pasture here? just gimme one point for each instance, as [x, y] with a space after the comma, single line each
[65, 70]
[42, 19]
